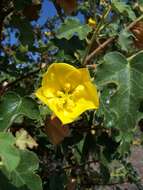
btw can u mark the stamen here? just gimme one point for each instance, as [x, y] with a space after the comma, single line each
[64, 98]
[60, 94]
[67, 87]
[78, 89]
[60, 104]
[70, 104]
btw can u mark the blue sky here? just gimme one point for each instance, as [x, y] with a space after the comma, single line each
[47, 11]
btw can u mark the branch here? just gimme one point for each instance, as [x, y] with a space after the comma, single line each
[5, 88]
[98, 50]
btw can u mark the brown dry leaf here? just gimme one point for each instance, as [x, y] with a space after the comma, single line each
[137, 30]
[55, 130]
[24, 140]
[68, 6]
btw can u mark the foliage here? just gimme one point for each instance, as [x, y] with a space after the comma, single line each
[71, 27]
[94, 149]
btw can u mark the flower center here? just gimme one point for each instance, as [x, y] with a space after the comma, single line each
[78, 90]
[67, 87]
[65, 98]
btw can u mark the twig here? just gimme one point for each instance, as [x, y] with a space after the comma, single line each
[10, 84]
[80, 165]
[105, 14]
[5, 88]
[98, 50]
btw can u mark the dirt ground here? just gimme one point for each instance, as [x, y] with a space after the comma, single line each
[136, 159]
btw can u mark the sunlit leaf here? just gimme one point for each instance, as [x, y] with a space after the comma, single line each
[73, 27]
[125, 40]
[123, 7]
[123, 105]
[8, 153]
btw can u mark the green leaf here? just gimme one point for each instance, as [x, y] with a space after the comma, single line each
[140, 2]
[24, 174]
[19, 166]
[9, 154]
[29, 108]
[71, 27]
[122, 7]
[125, 40]
[6, 185]
[124, 102]
[12, 105]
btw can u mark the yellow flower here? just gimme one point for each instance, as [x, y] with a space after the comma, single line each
[48, 33]
[91, 22]
[67, 91]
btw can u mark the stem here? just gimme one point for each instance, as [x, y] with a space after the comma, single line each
[132, 56]
[21, 78]
[105, 14]
[99, 48]
[9, 85]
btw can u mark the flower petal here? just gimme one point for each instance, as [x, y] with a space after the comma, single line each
[44, 93]
[62, 73]
[84, 74]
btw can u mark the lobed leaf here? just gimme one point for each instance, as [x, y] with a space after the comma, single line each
[9, 155]
[122, 110]
[122, 7]
[12, 105]
[24, 174]
[71, 27]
